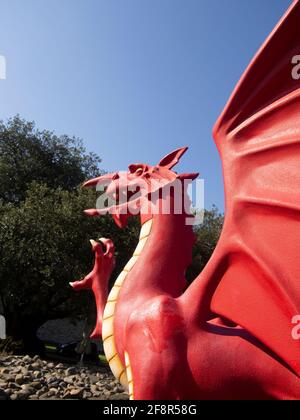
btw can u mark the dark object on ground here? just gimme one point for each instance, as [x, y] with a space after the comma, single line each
[70, 351]
[11, 346]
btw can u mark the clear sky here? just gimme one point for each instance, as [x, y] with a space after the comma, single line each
[134, 79]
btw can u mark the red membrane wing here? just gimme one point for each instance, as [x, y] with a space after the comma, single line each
[258, 137]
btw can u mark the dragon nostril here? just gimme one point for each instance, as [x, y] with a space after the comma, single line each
[103, 246]
[107, 246]
[116, 176]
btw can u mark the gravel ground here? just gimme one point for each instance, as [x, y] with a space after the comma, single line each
[25, 378]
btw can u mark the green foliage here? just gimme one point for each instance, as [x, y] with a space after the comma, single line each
[44, 235]
[207, 236]
[44, 245]
[27, 154]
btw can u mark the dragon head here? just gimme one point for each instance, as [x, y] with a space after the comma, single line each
[130, 193]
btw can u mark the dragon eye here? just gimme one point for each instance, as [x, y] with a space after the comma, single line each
[139, 171]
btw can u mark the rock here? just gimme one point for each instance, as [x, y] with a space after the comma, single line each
[10, 378]
[36, 385]
[9, 391]
[99, 384]
[54, 384]
[52, 379]
[122, 396]
[22, 370]
[40, 392]
[93, 379]
[106, 393]
[79, 384]
[37, 374]
[87, 395]
[118, 389]
[94, 389]
[96, 395]
[52, 392]
[33, 397]
[60, 366]
[69, 379]
[28, 388]
[43, 396]
[66, 396]
[50, 365]
[13, 385]
[19, 379]
[70, 371]
[76, 393]
[21, 395]
[36, 365]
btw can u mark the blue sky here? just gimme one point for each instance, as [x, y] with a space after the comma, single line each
[134, 79]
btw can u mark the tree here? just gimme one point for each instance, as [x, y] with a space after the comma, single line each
[44, 235]
[44, 245]
[207, 235]
[28, 154]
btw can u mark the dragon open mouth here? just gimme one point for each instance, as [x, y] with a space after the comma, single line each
[122, 203]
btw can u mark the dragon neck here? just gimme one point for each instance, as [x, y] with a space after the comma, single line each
[160, 260]
[163, 253]
[157, 266]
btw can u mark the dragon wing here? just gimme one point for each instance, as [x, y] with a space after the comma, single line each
[253, 277]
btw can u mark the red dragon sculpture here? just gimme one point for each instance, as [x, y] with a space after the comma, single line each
[229, 335]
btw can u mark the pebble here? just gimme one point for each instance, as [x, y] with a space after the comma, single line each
[36, 385]
[71, 371]
[26, 378]
[76, 393]
[19, 379]
[37, 374]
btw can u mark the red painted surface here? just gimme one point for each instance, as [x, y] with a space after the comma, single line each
[229, 335]
[97, 280]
